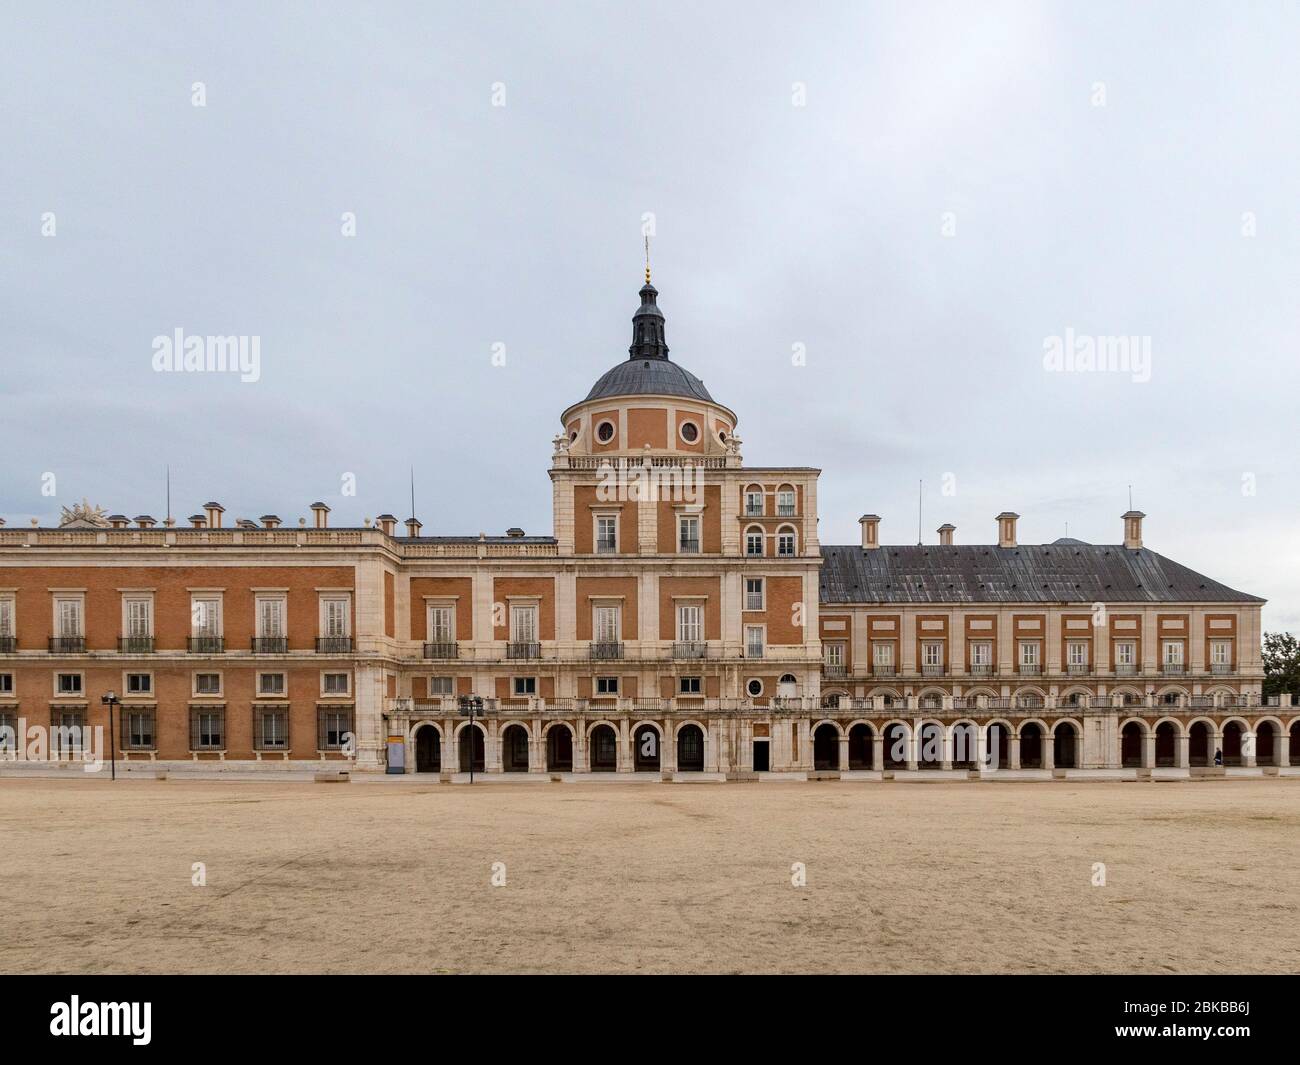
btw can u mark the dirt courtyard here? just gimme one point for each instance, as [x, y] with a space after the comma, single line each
[935, 877]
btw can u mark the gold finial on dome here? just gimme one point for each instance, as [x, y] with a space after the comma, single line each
[647, 258]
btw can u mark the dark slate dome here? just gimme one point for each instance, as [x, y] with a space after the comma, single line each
[648, 370]
[643, 377]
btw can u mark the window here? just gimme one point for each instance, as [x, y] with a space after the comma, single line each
[754, 543]
[785, 502]
[981, 654]
[605, 624]
[441, 686]
[139, 683]
[206, 617]
[1220, 652]
[754, 641]
[833, 655]
[207, 729]
[6, 684]
[441, 625]
[270, 684]
[754, 502]
[68, 615]
[138, 729]
[1125, 653]
[68, 684]
[207, 683]
[139, 618]
[606, 534]
[335, 618]
[1173, 653]
[1076, 653]
[689, 686]
[6, 617]
[690, 624]
[932, 654]
[525, 686]
[272, 729]
[688, 534]
[606, 685]
[335, 683]
[335, 729]
[523, 624]
[754, 687]
[1029, 653]
[605, 432]
[270, 618]
[882, 656]
[690, 432]
[754, 593]
[785, 543]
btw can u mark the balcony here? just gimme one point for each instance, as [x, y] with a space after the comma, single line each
[834, 669]
[442, 650]
[270, 645]
[688, 547]
[605, 651]
[1030, 670]
[1173, 669]
[67, 645]
[206, 645]
[883, 669]
[515, 650]
[8, 645]
[689, 649]
[754, 651]
[981, 669]
[333, 645]
[785, 510]
[931, 669]
[135, 645]
[1126, 669]
[606, 547]
[1076, 669]
[1220, 668]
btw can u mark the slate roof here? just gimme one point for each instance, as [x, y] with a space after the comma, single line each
[642, 377]
[1073, 572]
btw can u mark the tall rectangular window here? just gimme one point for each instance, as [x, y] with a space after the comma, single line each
[440, 624]
[606, 534]
[754, 593]
[753, 503]
[335, 726]
[68, 612]
[270, 618]
[754, 539]
[138, 729]
[1125, 653]
[688, 534]
[1173, 652]
[335, 619]
[272, 729]
[207, 729]
[785, 502]
[932, 654]
[981, 654]
[753, 641]
[833, 654]
[882, 654]
[785, 545]
[206, 617]
[139, 618]
[1077, 653]
[1221, 653]
[690, 624]
[6, 617]
[605, 620]
[523, 624]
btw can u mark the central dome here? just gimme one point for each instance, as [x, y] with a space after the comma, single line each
[649, 377]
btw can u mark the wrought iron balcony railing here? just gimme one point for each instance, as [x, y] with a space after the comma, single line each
[334, 645]
[67, 645]
[8, 645]
[270, 645]
[1173, 669]
[442, 649]
[689, 649]
[519, 650]
[1029, 670]
[981, 669]
[1127, 669]
[834, 669]
[135, 645]
[605, 651]
[883, 669]
[207, 645]
[1076, 669]
[1220, 667]
[932, 670]
[688, 547]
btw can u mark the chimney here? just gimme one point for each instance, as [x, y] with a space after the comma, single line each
[118, 521]
[322, 515]
[387, 523]
[270, 521]
[870, 530]
[144, 521]
[1007, 529]
[413, 527]
[215, 510]
[945, 534]
[198, 521]
[1133, 529]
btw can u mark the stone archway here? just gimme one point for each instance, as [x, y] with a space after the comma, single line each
[514, 749]
[428, 749]
[559, 749]
[472, 749]
[690, 749]
[860, 746]
[826, 747]
[645, 749]
[602, 749]
[1131, 739]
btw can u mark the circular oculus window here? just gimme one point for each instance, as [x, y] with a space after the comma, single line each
[690, 432]
[754, 687]
[605, 432]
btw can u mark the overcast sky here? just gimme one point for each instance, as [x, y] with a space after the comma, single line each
[920, 196]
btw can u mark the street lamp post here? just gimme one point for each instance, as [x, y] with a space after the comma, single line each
[470, 705]
[111, 700]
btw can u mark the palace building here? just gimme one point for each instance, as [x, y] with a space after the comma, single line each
[682, 618]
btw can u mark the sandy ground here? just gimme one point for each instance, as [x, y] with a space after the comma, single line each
[649, 877]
